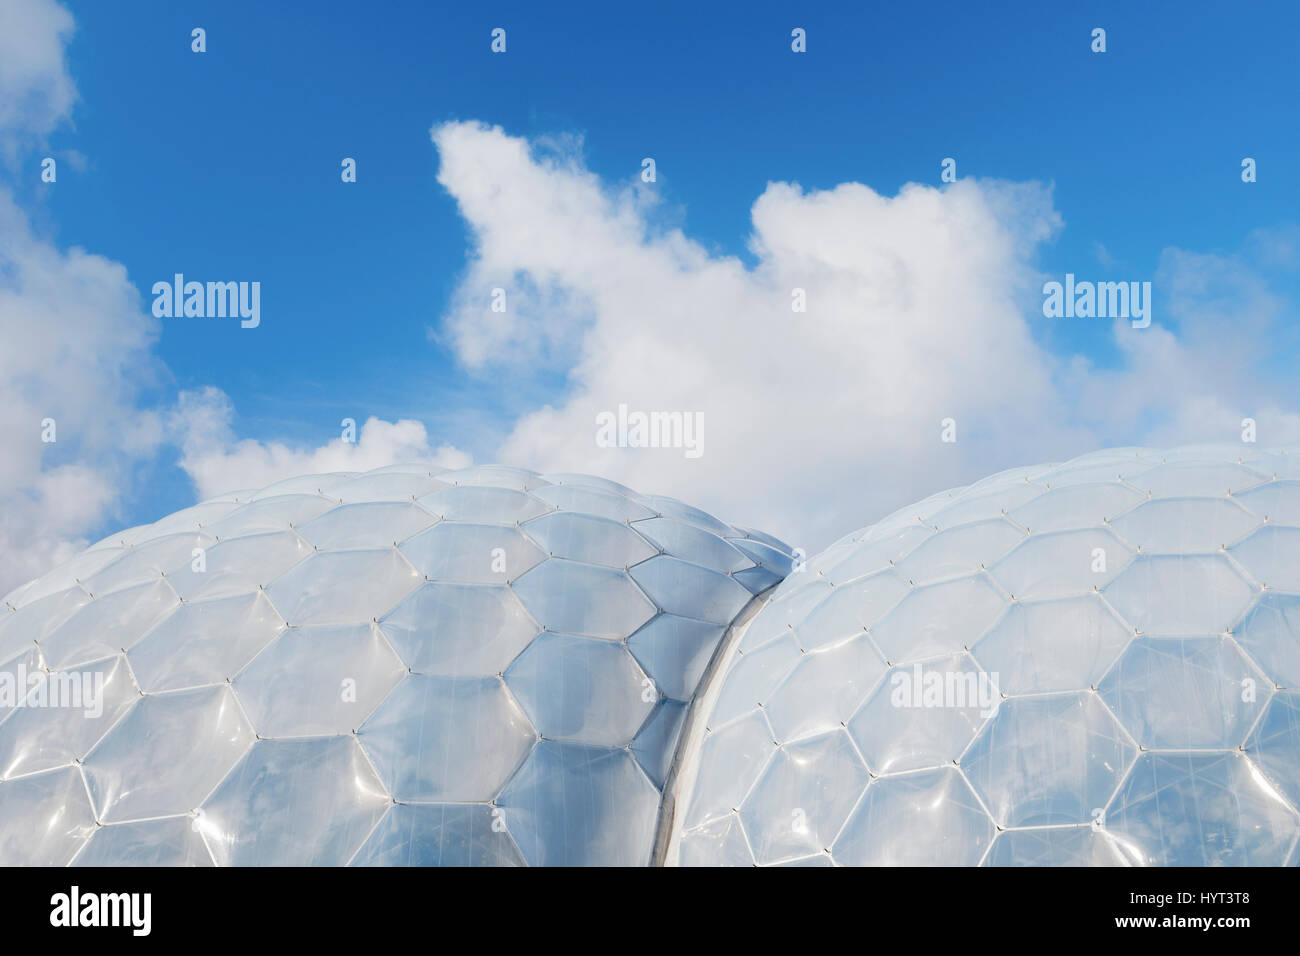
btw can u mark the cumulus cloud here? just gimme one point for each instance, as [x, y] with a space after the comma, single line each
[36, 89]
[77, 352]
[218, 462]
[919, 308]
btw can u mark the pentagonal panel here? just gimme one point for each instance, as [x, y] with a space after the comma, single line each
[656, 741]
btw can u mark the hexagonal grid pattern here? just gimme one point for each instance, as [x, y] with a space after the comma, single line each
[1095, 662]
[408, 666]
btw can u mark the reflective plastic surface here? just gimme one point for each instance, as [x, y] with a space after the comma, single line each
[406, 667]
[1089, 663]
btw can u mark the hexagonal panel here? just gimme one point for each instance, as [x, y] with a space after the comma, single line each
[166, 754]
[1270, 556]
[1278, 501]
[484, 504]
[963, 550]
[1048, 760]
[679, 587]
[1196, 478]
[1061, 564]
[1179, 594]
[459, 629]
[344, 587]
[917, 819]
[656, 742]
[438, 835]
[674, 651]
[693, 544]
[1056, 846]
[1270, 633]
[571, 805]
[922, 625]
[472, 553]
[581, 689]
[800, 801]
[589, 539]
[318, 680]
[1274, 745]
[731, 759]
[923, 715]
[1202, 810]
[63, 715]
[720, 843]
[824, 689]
[1185, 693]
[204, 642]
[239, 566]
[58, 799]
[172, 841]
[583, 599]
[1180, 525]
[1077, 506]
[450, 739]
[1043, 646]
[373, 524]
[306, 802]
[108, 625]
[753, 677]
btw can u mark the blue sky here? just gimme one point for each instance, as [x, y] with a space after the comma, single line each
[225, 165]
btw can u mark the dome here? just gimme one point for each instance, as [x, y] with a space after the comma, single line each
[1095, 662]
[406, 666]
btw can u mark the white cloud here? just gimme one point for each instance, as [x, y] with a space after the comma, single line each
[36, 90]
[818, 423]
[218, 462]
[76, 351]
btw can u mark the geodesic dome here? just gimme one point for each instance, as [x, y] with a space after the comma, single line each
[406, 666]
[1096, 662]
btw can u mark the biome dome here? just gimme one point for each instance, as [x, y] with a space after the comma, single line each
[1089, 663]
[484, 666]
